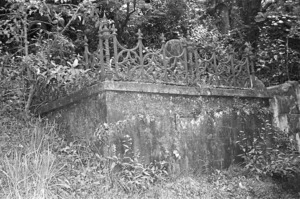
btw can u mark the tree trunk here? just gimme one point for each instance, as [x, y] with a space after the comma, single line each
[249, 9]
[221, 12]
[224, 15]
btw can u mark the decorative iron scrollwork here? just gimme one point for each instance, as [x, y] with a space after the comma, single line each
[177, 62]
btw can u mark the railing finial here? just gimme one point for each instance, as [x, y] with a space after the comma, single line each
[104, 16]
[86, 50]
[163, 38]
[140, 34]
[105, 21]
[114, 30]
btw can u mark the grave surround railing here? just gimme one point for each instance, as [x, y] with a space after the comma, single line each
[177, 62]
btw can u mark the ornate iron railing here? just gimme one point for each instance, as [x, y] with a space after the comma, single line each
[177, 62]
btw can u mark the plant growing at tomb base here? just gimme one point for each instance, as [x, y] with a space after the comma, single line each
[127, 172]
[272, 153]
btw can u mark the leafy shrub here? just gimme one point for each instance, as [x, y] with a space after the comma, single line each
[271, 153]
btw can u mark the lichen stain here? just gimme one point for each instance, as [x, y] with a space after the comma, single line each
[169, 123]
[283, 123]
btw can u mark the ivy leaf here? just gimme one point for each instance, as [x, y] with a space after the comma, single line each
[260, 17]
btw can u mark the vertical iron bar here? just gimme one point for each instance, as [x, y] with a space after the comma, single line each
[163, 41]
[232, 70]
[101, 57]
[86, 52]
[190, 62]
[197, 64]
[140, 44]
[287, 58]
[215, 66]
[250, 70]
[185, 54]
[107, 56]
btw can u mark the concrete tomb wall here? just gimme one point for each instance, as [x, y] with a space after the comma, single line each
[285, 103]
[191, 127]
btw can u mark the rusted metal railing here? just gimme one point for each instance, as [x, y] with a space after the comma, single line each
[177, 62]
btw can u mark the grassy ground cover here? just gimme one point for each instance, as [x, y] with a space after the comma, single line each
[37, 163]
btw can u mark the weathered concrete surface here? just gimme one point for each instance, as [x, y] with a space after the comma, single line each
[285, 103]
[192, 128]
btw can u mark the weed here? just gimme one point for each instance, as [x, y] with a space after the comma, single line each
[271, 153]
[33, 171]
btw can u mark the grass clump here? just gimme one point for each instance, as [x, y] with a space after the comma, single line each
[29, 168]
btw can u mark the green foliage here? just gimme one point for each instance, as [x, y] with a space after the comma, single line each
[12, 84]
[210, 40]
[238, 182]
[57, 71]
[44, 67]
[271, 152]
[278, 54]
[161, 16]
[271, 28]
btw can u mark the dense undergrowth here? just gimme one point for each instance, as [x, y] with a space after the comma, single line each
[37, 162]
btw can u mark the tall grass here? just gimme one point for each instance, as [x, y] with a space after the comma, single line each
[31, 170]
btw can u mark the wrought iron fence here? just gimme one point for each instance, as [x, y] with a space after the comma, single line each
[177, 62]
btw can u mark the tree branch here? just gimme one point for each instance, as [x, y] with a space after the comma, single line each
[264, 9]
[71, 20]
[128, 14]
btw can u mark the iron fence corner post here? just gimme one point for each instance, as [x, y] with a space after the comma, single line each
[107, 57]
[100, 48]
[115, 43]
[105, 35]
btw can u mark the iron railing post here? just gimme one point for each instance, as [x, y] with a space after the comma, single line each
[86, 52]
[105, 35]
[140, 46]
[250, 69]
[197, 65]
[163, 41]
[115, 43]
[190, 64]
[232, 69]
[185, 61]
[100, 49]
